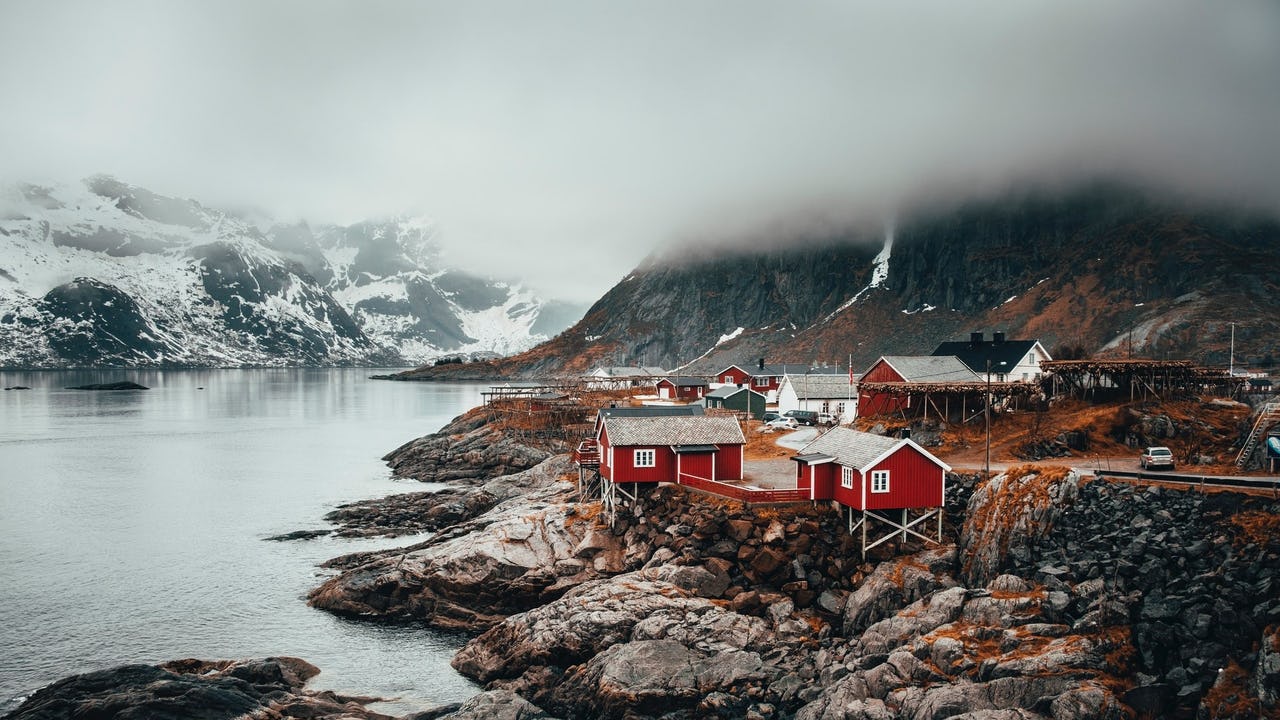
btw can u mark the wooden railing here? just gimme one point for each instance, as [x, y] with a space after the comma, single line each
[745, 494]
[587, 453]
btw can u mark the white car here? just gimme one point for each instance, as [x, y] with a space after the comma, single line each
[1156, 457]
[781, 423]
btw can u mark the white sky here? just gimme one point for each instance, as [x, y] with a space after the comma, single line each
[564, 141]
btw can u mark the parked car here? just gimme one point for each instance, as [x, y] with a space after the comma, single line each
[771, 415]
[804, 417]
[1155, 457]
[827, 419]
[787, 423]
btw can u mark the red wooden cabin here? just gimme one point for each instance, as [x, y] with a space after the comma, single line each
[870, 472]
[682, 388]
[886, 480]
[907, 369]
[666, 449]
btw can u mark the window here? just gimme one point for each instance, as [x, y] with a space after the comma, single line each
[840, 408]
[826, 406]
[846, 477]
[761, 381]
[646, 458]
[879, 481]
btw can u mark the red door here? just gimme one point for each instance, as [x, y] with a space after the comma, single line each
[696, 465]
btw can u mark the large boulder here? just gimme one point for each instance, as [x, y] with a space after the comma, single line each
[656, 678]
[523, 553]
[897, 583]
[497, 705]
[471, 449]
[667, 602]
[1008, 515]
[194, 690]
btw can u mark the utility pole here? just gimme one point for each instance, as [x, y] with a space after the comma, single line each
[1231, 367]
[987, 413]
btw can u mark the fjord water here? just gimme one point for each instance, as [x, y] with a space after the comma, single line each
[132, 523]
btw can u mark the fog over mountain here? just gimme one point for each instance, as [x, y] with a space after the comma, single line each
[562, 142]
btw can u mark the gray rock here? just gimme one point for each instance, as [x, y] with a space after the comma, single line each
[497, 705]
[895, 584]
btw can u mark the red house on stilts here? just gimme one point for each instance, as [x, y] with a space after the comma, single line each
[881, 479]
[672, 449]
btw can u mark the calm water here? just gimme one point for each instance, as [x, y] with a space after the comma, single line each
[132, 523]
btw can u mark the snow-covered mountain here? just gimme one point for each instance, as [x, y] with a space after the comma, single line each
[105, 273]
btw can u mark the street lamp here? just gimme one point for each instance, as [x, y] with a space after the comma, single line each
[987, 413]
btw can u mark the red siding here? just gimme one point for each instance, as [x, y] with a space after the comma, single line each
[825, 479]
[624, 469]
[689, 392]
[734, 375]
[729, 462]
[773, 382]
[697, 466]
[879, 403]
[804, 477]
[685, 392]
[914, 482]
[841, 494]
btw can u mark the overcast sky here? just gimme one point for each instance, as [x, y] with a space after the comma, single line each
[563, 141]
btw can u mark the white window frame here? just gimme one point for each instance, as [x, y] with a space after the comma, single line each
[846, 477]
[760, 381]
[879, 481]
[645, 458]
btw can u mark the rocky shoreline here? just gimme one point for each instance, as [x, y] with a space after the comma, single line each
[1056, 597]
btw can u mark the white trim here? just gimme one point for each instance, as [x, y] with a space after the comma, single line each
[742, 461]
[897, 446]
[653, 458]
[846, 477]
[876, 475]
[819, 462]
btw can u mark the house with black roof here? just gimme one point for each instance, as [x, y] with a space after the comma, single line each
[998, 359]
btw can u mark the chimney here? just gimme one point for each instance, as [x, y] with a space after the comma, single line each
[761, 363]
[975, 339]
[997, 337]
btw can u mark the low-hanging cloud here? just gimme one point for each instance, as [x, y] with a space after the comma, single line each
[564, 141]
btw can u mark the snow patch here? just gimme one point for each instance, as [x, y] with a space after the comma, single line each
[923, 308]
[879, 271]
[726, 338]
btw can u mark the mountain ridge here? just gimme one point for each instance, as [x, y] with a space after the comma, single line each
[112, 274]
[1107, 267]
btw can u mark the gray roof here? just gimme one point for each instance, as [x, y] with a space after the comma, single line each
[931, 368]
[686, 381]
[649, 411]
[728, 391]
[850, 447]
[857, 449]
[696, 430]
[822, 387]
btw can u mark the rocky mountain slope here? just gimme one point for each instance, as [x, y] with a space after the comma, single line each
[1107, 268]
[112, 274]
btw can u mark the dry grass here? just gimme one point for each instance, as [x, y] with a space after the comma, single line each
[964, 445]
[1256, 527]
[762, 445]
[1230, 699]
